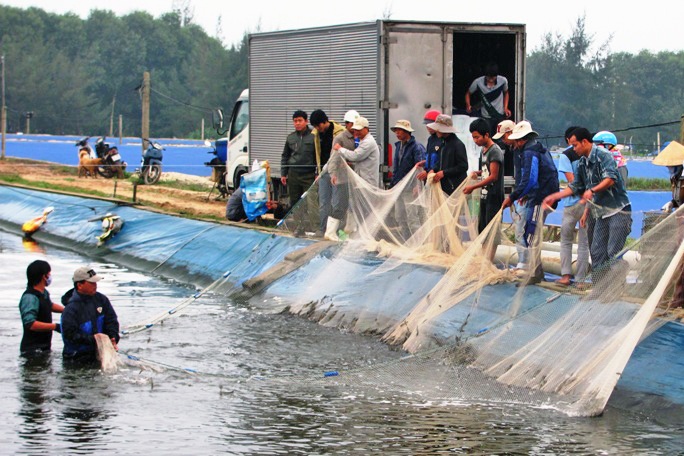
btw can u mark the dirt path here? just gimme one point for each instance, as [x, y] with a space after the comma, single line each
[194, 203]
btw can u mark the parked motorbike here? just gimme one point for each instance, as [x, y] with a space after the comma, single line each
[151, 163]
[83, 144]
[218, 173]
[112, 165]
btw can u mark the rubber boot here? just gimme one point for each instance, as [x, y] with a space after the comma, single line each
[331, 229]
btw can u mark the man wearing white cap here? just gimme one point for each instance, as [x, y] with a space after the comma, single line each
[340, 190]
[539, 178]
[451, 168]
[87, 313]
[366, 156]
[407, 151]
[503, 131]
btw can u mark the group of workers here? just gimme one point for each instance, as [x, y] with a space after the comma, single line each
[592, 165]
[84, 311]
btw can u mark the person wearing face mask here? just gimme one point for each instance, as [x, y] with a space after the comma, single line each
[36, 309]
[87, 314]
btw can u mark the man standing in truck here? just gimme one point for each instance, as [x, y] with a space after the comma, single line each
[491, 92]
[324, 131]
[298, 161]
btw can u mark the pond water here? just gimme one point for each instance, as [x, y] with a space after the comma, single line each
[252, 395]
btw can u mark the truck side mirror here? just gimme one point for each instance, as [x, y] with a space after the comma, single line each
[217, 120]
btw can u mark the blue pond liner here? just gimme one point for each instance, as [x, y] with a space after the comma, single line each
[183, 247]
[359, 299]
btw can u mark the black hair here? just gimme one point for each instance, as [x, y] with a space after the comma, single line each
[569, 131]
[35, 272]
[581, 133]
[299, 113]
[318, 117]
[481, 126]
[491, 70]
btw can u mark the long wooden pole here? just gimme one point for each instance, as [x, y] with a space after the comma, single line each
[145, 109]
[3, 114]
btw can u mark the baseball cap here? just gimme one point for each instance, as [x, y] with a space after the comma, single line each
[430, 116]
[86, 273]
[350, 116]
[503, 127]
[360, 123]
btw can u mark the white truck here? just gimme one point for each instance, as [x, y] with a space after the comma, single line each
[386, 70]
[235, 146]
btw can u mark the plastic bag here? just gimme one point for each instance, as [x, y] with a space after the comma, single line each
[254, 193]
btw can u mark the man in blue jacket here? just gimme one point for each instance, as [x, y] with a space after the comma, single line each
[538, 179]
[407, 151]
[88, 313]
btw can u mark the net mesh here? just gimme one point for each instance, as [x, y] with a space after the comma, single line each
[486, 329]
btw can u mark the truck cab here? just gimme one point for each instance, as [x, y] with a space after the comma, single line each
[235, 145]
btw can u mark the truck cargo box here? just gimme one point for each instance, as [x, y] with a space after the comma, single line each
[386, 70]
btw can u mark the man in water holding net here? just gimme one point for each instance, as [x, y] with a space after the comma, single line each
[36, 310]
[87, 314]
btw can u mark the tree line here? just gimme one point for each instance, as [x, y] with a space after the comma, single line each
[74, 75]
[574, 81]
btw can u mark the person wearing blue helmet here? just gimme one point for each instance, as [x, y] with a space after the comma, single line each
[609, 142]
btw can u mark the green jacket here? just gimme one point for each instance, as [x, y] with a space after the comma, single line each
[337, 129]
[298, 154]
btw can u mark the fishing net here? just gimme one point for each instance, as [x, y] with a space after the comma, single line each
[409, 265]
[106, 354]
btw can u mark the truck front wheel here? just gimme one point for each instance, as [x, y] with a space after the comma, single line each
[236, 179]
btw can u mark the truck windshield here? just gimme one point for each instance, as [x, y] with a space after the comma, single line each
[240, 118]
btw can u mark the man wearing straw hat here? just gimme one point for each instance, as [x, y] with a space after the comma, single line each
[451, 168]
[407, 151]
[672, 156]
[539, 178]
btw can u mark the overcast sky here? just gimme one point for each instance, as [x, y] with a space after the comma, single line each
[652, 25]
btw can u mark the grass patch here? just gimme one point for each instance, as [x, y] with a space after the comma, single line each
[16, 179]
[194, 187]
[643, 183]
[63, 169]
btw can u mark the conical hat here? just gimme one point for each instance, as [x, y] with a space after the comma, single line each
[672, 155]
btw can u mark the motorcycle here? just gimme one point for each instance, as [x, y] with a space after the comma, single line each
[112, 165]
[83, 144]
[151, 163]
[218, 173]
